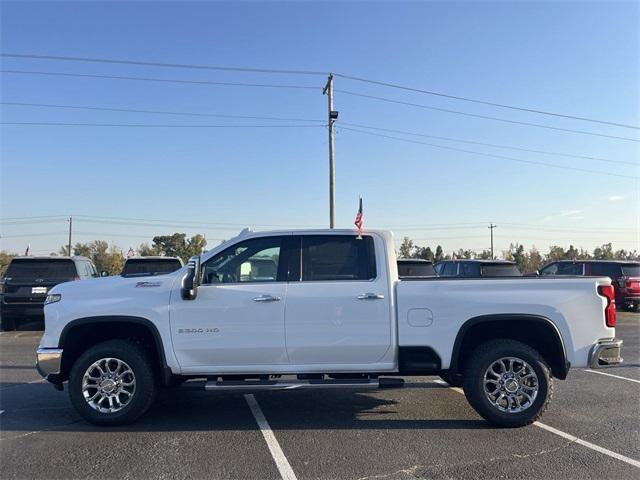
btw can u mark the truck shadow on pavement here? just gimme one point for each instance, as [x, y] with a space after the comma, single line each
[38, 407]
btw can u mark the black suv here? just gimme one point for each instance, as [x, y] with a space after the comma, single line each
[415, 268]
[624, 275]
[143, 266]
[477, 268]
[29, 279]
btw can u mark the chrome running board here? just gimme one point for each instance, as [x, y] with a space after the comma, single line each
[303, 384]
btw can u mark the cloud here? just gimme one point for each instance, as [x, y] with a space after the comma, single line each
[569, 213]
[615, 198]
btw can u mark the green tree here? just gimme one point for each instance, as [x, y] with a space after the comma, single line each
[177, 245]
[195, 246]
[146, 250]
[484, 255]
[425, 253]
[5, 258]
[439, 254]
[603, 252]
[406, 248]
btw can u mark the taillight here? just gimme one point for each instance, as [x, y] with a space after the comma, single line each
[610, 310]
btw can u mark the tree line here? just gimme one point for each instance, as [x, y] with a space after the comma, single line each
[527, 260]
[111, 258]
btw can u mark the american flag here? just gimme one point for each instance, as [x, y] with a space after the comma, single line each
[130, 253]
[358, 222]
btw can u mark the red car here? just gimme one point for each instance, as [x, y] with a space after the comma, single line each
[625, 276]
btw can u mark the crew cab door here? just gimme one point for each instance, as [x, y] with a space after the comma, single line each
[237, 318]
[339, 311]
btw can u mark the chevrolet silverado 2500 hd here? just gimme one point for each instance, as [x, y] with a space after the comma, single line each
[326, 308]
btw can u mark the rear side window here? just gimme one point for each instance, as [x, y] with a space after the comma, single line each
[469, 269]
[337, 257]
[416, 269]
[32, 269]
[500, 271]
[631, 270]
[611, 270]
[140, 266]
[563, 269]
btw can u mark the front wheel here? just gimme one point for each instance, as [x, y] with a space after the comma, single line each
[112, 383]
[508, 383]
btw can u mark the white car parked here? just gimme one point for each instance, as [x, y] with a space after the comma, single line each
[325, 306]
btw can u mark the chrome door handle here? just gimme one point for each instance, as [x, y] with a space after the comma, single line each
[266, 298]
[370, 296]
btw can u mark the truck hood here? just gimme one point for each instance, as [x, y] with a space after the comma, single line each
[115, 287]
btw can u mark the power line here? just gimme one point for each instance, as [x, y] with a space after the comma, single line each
[484, 102]
[160, 112]
[502, 157]
[162, 64]
[150, 125]
[508, 147]
[305, 72]
[163, 80]
[486, 117]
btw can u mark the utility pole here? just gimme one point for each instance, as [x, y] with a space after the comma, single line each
[491, 227]
[70, 225]
[332, 117]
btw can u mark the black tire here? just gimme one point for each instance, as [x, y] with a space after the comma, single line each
[8, 324]
[453, 380]
[478, 363]
[137, 359]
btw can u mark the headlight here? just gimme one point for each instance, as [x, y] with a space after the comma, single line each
[52, 298]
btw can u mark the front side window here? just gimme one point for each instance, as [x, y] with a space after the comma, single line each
[255, 260]
[338, 257]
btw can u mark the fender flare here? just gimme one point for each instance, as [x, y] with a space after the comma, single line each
[504, 317]
[166, 372]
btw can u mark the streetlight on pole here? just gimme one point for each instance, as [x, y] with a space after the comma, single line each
[491, 227]
[332, 117]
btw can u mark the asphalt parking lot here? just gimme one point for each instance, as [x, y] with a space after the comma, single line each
[592, 430]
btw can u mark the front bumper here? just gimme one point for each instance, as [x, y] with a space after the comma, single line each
[606, 352]
[48, 363]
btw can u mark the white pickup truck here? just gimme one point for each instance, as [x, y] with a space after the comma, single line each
[321, 308]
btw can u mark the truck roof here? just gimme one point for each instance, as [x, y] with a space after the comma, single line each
[50, 257]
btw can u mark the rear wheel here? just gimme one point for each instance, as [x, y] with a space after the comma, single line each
[508, 383]
[112, 383]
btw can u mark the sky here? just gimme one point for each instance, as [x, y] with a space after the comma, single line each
[126, 184]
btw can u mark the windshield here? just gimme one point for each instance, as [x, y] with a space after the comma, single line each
[32, 269]
[631, 270]
[141, 266]
[500, 270]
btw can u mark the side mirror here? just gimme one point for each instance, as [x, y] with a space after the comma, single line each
[191, 280]
[104, 274]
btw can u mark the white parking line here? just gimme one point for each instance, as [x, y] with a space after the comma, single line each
[568, 436]
[614, 376]
[286, 472]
